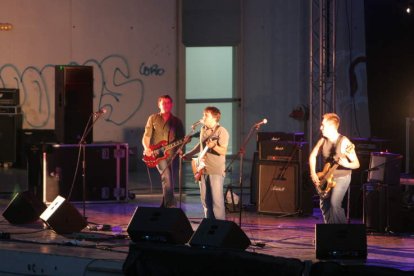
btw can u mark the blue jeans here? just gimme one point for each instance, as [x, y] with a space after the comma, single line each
[331, 207]
[212, 196]
[167, 181]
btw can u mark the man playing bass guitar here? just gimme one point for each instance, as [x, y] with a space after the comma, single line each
[338, 152]
[163, 128]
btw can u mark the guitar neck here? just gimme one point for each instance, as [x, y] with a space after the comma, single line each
[173, 145]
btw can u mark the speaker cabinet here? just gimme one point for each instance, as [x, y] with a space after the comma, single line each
[10, 124]
[282, 189]
[73, 102]
[385, 168]
[62, 217]
[340, 241]
[24, 208]
[220, 234]
[383, 207]
[166, 225]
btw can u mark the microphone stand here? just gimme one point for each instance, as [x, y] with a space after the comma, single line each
[180, 148]
[241, 153]
[82, 146]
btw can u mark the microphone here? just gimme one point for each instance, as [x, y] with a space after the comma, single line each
[197, 123]
[262, 122]
[100, 112]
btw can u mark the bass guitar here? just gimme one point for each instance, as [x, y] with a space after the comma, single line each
[326, 182]
[198, 165]
[160, 151]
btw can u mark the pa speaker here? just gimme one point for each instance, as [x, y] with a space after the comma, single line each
[278, 187]
[24, 208]
[62, 217]
[220, 234]
[167, 225]
[340, 241]
[73, 102]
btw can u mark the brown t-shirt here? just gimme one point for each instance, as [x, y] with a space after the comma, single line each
[158, 130]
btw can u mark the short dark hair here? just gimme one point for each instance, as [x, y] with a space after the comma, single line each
[214, 111]
[163, 97]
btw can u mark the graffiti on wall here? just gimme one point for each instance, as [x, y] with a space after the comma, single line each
[117, 88]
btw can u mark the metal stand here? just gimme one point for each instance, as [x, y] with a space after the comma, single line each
[241, 153]
[82, 150]
[186, 139]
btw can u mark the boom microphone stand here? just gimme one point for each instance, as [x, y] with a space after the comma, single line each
[82, 148]
[241, 153]
[186, 139]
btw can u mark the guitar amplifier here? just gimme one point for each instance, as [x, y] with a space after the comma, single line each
[10, 109]
[279, 136]
[283, 151]
[9, 96]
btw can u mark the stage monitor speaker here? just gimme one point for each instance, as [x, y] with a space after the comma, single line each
[214, 233]
[278, 187]
[340, 241]
[10, 124]
[62, 217]
[73, 102]
[385, 167]
[166, 225]
[24, 208]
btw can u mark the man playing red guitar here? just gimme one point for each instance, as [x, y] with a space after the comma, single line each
[163, 128]
[337, 150]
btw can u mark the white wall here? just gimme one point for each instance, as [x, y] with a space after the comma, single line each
[130, 43]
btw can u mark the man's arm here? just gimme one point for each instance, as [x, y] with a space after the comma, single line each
[312, 161]
[350, 160]
[146, 138]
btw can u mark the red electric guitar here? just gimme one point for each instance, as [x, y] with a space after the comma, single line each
[160, 151]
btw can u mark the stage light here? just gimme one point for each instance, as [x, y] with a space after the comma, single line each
[408, 9]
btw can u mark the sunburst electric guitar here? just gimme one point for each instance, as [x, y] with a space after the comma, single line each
[160, 151]
[326, 182]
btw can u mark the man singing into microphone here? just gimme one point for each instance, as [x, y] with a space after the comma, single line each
[164, 126]
[336, 149]
[216, 138]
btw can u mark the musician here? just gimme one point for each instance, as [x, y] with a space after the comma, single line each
[216, 138]
[334, 147]
[164, 126]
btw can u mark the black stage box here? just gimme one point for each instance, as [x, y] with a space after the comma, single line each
[106, 170]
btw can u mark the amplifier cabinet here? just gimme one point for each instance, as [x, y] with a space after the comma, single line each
[9, 97]
[281, 189]
[10, 125]
[283, 151]
[382, 207]
[106, 172]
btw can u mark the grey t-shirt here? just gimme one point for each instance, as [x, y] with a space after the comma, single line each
[215, 163]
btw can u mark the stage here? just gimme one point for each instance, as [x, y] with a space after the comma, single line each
[102, 247]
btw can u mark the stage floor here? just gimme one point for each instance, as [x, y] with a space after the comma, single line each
[102, 247]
